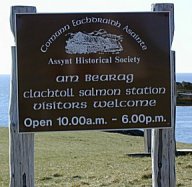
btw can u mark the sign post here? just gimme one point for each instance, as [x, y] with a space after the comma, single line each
[163, 140]
[89, 71]
[21, 145]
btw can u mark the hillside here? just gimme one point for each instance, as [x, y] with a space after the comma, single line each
[87, 159]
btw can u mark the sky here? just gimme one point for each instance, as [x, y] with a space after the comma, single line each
[183, 23]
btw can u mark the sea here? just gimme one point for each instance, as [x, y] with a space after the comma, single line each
[183, 113]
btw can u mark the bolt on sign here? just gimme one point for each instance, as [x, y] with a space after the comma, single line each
[90, 71]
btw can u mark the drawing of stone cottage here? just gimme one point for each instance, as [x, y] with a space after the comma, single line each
[94, 42]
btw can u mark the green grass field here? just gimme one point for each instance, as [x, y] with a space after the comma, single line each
[95, 159]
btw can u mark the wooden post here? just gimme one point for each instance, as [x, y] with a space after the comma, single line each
[163, 140]
[21, 145]
[147, 140]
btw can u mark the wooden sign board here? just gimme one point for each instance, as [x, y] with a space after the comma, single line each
[90, 71]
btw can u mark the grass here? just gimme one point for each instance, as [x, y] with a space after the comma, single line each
[4, 157]
[94, 159]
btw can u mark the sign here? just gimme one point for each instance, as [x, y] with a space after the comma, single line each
[88, 71]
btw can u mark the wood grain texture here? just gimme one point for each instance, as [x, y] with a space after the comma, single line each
[163, 140]
[21, 149]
